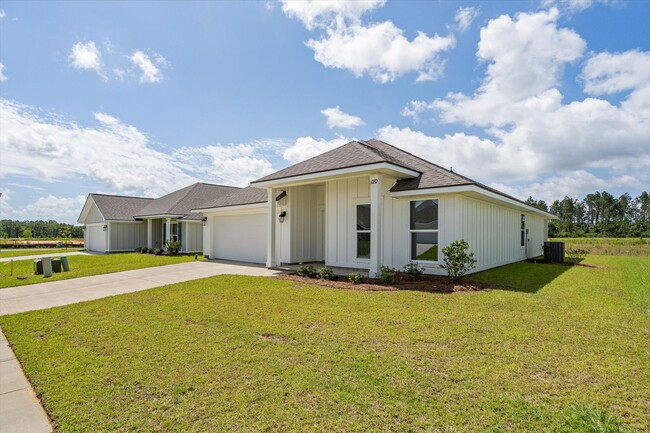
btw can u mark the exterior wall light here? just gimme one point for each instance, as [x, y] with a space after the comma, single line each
[282, 216]
[205, 220]
[105, 227]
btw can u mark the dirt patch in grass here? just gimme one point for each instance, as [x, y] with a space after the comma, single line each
[428, 283]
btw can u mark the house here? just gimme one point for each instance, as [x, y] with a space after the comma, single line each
[365, 205]
[118, 223]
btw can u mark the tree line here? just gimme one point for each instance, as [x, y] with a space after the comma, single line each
[39, 229]
[598, 214]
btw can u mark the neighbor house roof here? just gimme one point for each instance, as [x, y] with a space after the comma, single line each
[117, 207]
[180, 203]
[240, 197]
[360, 153]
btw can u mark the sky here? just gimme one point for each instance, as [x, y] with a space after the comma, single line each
[535, 98]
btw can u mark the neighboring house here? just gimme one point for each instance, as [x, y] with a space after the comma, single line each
[109, 224]
[365, 205]
[116, 223]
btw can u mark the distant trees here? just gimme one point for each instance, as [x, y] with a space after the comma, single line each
[39, 229]
[599, 214]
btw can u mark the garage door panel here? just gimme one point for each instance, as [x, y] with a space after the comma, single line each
[95, 238]
[240, 237]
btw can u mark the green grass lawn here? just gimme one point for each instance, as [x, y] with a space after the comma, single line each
[556, 349]
[34, 252]
[83, 266]
[609, 246]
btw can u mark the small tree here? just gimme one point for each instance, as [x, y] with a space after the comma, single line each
[27, 234]
[457, 262]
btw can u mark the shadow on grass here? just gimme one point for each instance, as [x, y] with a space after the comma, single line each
[521, 277]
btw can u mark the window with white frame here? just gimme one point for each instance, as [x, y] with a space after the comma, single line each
[424, 230]
[523, 230]
[363, 231]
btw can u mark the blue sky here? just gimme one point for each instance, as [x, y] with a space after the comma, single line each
[547, 98]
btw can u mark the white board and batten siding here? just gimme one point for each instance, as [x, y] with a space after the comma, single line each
[126, 236]
[302, 234]
[95, 237]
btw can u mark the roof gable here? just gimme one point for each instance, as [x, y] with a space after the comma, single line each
[180, 203]
[115, 207]
[243, 196]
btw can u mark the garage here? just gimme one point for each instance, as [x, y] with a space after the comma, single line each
[239, 237]
[95, 238]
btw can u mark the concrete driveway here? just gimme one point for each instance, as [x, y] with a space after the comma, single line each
[56, 293]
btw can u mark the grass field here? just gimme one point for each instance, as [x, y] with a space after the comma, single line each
[554, 349]
[609, 246]
[83, 266]
[35, 252]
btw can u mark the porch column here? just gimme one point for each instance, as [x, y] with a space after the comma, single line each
[270, 229]
[376, 211]
[207, 238]
[149, 233]
[108, 236]
[168, 229]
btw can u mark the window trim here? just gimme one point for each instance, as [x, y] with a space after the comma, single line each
[411, 231]
[357, 231]
[522, 228]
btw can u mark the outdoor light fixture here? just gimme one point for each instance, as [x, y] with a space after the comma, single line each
[205, 219]
[282, 216]
[105, 227]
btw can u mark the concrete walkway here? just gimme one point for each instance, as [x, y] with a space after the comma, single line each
[20, 410]
[56, 293]
[38, 256]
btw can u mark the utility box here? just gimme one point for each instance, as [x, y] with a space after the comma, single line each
[38, 267]
[554, 252]
[56, 265]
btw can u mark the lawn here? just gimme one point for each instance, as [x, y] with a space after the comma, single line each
[34, 252]
[83, 266]
[609, 246]
[554, 349]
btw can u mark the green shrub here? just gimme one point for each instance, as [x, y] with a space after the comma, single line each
[576, 255]
[457, 262]
[326, 273]
[137, 249]
[387, 275]
[355, 278]
[414, 270]
[173, 247]
[157, 251]
[306, 271]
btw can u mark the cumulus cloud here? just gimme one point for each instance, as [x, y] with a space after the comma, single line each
[150, 73]
[62, 209]
[3, 77]
[464, 18]
[86, 56]
[117, 155]
[379, 50]
[606, 73]
[318, 13]
[338, 119]
[308, 147]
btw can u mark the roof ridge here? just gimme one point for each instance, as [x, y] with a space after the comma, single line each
[122, 196]
[425, 161]
[217, 184]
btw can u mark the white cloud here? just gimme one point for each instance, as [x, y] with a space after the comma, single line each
[308, 147]
[415, 108]
[606, 73]
[150, 73]
[318, 13]
[2, 14]
[3, 77]
[464, 18]
[526, 56]
[86, 56]
[338, 119]
[61, 209]
[379, 50]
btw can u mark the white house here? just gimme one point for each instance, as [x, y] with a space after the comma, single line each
[118, 223]
[365, 205]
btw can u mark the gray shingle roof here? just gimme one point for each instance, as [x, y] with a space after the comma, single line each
[117, 207]
[248, 195]
[359, 153]
[181, 202]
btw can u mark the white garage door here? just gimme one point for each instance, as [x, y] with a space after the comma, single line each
[95, 238]
[239, 237]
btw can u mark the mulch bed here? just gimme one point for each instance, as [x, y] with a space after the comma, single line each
[429, 283]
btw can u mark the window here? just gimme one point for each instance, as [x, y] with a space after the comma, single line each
[363, 231]
[523, 230]
[424, 230]
[173, 232]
